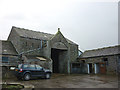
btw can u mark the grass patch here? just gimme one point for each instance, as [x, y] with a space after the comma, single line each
[12, 86]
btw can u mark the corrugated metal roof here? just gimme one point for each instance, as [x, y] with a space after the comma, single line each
[8, 48]
[36, 34]
[41, 58]
[35, 58]
[101, 52]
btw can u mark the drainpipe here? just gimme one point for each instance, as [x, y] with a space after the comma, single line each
[41, 43]
[68, 62]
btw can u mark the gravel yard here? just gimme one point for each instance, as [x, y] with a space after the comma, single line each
[72, 81]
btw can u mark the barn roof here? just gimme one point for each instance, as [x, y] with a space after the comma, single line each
[113, 50]
[7, 48]
[36, 34]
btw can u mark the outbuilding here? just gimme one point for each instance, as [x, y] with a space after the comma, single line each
[103, 60]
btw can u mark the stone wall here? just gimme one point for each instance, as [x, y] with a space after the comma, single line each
[15, 39]
[30, 44]
[73, 52]
[7, 73]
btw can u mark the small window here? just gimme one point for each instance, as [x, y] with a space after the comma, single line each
[83, 61]
[25, 66]
[25, 43]
[32, 44]
[105, 60]
[44, 43]
[102, 65]
[19, 66]
[32, 67]
[5, 59]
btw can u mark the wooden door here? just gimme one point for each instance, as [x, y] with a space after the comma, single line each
[102, 68]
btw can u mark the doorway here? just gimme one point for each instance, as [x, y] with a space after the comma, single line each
[58, 57]
[102, 68]
[90, 67]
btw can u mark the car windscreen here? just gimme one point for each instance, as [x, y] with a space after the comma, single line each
[19, 66]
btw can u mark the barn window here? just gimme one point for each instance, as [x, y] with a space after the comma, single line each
[32, 44]
[44, 43]
[25, 43]
[38, 46]
[83, 61]
[106, 60]
[5, 59]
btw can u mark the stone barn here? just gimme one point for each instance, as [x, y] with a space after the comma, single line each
[101, 61]
[54, 47]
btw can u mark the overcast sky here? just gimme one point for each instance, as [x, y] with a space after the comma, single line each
[91, 25]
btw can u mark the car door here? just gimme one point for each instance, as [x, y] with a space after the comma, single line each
[32, 69]
[39, 71]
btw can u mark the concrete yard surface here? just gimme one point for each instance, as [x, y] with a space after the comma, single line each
[72, 81]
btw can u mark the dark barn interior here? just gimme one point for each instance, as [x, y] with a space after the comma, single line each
[55, 58]
[56, 55]
[90, 67]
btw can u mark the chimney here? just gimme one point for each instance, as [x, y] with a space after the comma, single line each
[58, 29]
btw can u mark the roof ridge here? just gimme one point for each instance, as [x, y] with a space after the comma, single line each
[31, 30]
[47, 36]
[102, 48]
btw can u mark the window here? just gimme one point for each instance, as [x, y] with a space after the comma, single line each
[5, 59]
[44, 43]
[32, 67]
[83, 61]
[38, 67]
[25, 66]
[25, 43]
[32, 44]
[105, 60]
[19, 66]
[102, 65]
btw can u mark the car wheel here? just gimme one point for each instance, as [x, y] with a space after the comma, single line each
[47, 76]
[27, 77]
